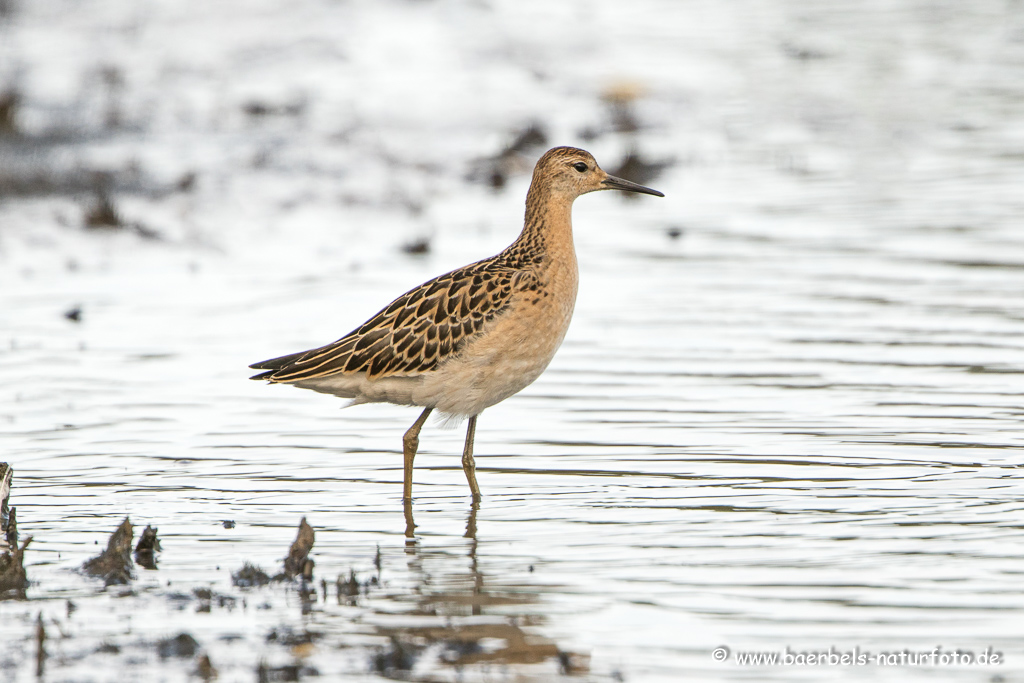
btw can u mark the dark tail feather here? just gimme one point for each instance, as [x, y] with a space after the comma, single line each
[275, 364]
[264, 375]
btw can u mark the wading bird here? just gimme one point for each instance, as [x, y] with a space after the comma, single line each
[471, 338]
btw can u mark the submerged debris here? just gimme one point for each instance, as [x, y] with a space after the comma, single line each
[34, 166]
[528, 138]
[294, 640]
[148, 542]
[573, 664]
[349, 588]
[182, 645]
[640, 170]
[102, 214]
[257, 108]
[249, 575]
[207, 597]
[205, 669]
[9, 101]
[417, 247]
[12, 570]
[288, 672]
[114, 565]
[6, 475]
[147, 547]
[40, 646]
[400, 656]
[298, 562]
[512, 160]
[13, 577]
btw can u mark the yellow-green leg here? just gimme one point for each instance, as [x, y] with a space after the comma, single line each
[468, 464]
[411, 442]
[410, 522]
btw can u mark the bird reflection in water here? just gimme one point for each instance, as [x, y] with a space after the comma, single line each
[455, 595]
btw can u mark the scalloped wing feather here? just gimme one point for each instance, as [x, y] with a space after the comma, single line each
[416, 332]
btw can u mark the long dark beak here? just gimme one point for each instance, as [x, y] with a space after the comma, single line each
[614, 183]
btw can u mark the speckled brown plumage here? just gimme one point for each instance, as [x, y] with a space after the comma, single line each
[472, 337]
[420, 329]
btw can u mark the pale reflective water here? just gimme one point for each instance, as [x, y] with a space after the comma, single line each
[796, 424]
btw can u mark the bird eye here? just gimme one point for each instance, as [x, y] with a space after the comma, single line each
[580, 166]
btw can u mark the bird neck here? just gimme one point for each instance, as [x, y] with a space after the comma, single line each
[547, 228]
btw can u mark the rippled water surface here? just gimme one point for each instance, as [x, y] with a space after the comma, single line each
[787, 415]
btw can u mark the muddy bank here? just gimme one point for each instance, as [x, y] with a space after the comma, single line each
[306, 621]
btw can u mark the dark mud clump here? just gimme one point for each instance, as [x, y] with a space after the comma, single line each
[10, 100]
[11, 528]
[114, 565]
[515, 159]
[257, 109]
[205, 669]
[348, 589]
[102, 214]
[417, 247]
[250, 576]
[298, 563]
[638, 169]
[13, 578]
[6, 475]
[182, 645]
[147, 547]
[206, 599]
[398, 657]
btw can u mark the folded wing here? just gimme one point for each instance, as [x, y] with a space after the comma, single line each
[415, 333]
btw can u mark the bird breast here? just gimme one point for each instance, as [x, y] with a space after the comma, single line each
[511, 352]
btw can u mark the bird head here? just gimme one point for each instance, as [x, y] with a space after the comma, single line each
[570, 172]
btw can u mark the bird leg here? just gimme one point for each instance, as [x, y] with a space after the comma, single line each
[410, 522]
[468, 464]
[410, 442]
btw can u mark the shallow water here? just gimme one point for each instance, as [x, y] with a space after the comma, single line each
[795, 425]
